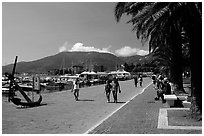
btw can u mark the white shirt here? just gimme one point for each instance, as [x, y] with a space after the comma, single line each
[76, 86]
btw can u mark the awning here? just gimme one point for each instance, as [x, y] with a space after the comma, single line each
[88, 73]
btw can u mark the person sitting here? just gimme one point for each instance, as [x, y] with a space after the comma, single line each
[160, 92]
[167, 87]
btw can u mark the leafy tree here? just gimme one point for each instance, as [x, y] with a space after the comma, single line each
[125, 66]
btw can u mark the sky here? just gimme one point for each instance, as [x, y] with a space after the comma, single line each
[35, 30]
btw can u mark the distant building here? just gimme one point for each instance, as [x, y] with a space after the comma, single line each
[77, 69]
[120, 67]
[98, 68]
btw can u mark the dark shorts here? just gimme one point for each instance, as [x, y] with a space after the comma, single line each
[76, 90]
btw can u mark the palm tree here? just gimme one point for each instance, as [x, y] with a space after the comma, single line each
[153, 21]
[162, 24]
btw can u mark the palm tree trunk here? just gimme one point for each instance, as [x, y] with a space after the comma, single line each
[176, 66]
[194, 29]
[196, 72]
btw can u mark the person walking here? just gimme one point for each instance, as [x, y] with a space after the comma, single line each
[154, 79]
[76, 89]
[135, 80]
[108, 90]
[140, 80]
[115, 89]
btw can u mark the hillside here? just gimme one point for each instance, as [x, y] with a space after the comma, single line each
[67, 59]
[131, 59]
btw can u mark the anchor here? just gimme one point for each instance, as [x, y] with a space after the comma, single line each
[14, 86]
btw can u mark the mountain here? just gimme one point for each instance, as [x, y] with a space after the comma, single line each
[67, 59]
[131, 59]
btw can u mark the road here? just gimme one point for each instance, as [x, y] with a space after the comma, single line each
[61, 114]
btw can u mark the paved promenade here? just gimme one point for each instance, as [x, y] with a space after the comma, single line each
[139, 116]
[136, 113]
[61, 114]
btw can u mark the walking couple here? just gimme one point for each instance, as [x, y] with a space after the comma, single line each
[114, 87]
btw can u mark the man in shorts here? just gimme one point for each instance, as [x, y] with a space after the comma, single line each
[76, 89]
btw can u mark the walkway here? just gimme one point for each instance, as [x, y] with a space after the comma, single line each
[140, 116]
[61, 114]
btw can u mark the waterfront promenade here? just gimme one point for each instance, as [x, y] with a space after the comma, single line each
[136, 113]
[61, 114]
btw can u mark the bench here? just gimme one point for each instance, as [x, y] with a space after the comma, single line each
[182, 97]
[170, 99]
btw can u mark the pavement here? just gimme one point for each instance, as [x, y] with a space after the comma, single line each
[139, 116]
[61, 114]
[136, 113]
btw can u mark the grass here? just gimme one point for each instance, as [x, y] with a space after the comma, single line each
[182, 118]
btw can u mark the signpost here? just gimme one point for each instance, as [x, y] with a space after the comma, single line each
[36, 85]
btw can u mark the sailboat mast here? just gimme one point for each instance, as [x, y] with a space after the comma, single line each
[62, 66]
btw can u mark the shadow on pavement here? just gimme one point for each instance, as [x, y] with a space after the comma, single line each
[25, 107]
[117, 102]
[85, 100]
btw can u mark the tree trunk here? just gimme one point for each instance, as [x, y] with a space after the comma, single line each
[196, 72]
[194, 29]
[176, 66]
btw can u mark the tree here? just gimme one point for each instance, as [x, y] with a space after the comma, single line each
[153, 20]
[162, 24]
[193, 29]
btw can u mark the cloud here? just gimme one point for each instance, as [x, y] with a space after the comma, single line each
[129, 51]
[82, 48]
[124, 51]
[63, 47]
[107, 48]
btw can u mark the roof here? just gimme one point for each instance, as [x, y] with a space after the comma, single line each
[88, 73]
[119, 72]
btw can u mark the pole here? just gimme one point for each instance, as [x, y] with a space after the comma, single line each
[33, 90]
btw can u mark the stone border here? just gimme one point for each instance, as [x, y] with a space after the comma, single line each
[163, 120]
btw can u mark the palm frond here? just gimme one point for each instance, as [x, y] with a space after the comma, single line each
[119, 10]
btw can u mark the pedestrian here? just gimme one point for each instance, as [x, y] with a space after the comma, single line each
[108, 90]
[135, 80]
[154, 79]
[159, 81]
[160, 92]
[167, 87]
[140, 79]
[115, 89]
[76, 89]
